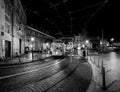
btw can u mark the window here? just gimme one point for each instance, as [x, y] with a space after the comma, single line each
[2, 5]
[7, 10]
[7, 27]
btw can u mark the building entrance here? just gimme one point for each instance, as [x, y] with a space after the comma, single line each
[7, 49]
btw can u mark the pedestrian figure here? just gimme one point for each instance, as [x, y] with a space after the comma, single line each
[18, 57]
[84, 54]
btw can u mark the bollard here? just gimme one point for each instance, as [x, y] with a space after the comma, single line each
[98, 63]
[32, 56]
[102, 64]
[103, 74]
[94, 59]
[90, 58]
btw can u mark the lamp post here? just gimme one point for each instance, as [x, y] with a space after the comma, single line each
[112, 39]
[87, 41]
[32, 40]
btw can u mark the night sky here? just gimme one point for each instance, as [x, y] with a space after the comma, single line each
[61, 18]
[108, 20]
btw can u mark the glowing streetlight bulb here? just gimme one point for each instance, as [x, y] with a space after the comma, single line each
[31, 45]
[87, 41]
[32, 39]
[112, 39]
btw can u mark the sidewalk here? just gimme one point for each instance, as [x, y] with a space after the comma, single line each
[111, 76]
[25, 58]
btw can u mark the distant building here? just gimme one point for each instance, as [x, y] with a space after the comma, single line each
[116, 44]
[41, 39]
[104, 43]
[79, 40]
[12, 28]
[67, 39]
[82, 41]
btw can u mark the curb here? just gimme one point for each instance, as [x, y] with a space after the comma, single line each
[93, 87]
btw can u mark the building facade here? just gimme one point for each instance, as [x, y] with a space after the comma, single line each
[12, 28]
[82, 41]
[37, 40]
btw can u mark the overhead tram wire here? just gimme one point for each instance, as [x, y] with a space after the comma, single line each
[27, 3]
[90, 15]
[60, 17]
[35, 12]
[53, 25]
[81, 17]
[69, 12]
[52, 6]
[85, 24]
[79, 10]
[96, 11]
[55, 7]
[71, 22]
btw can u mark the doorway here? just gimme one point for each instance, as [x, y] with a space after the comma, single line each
[7, 49]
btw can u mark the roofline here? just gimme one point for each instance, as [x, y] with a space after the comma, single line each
[40, 32]
[19, 1]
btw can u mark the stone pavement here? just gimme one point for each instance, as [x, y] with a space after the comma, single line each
[96, 85]
[25, 58]
[78, 81]
[75, 77]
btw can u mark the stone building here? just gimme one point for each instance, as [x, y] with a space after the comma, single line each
[41, 40]
[12, 28]
[15, 36]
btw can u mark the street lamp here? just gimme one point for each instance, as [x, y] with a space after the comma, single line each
[87, 41]
[112, 39]
[32, 40]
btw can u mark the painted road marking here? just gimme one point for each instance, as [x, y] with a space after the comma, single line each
[8, 76]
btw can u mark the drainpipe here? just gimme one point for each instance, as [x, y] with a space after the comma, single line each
[12, 24]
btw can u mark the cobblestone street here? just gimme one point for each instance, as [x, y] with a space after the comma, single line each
[75, 77]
